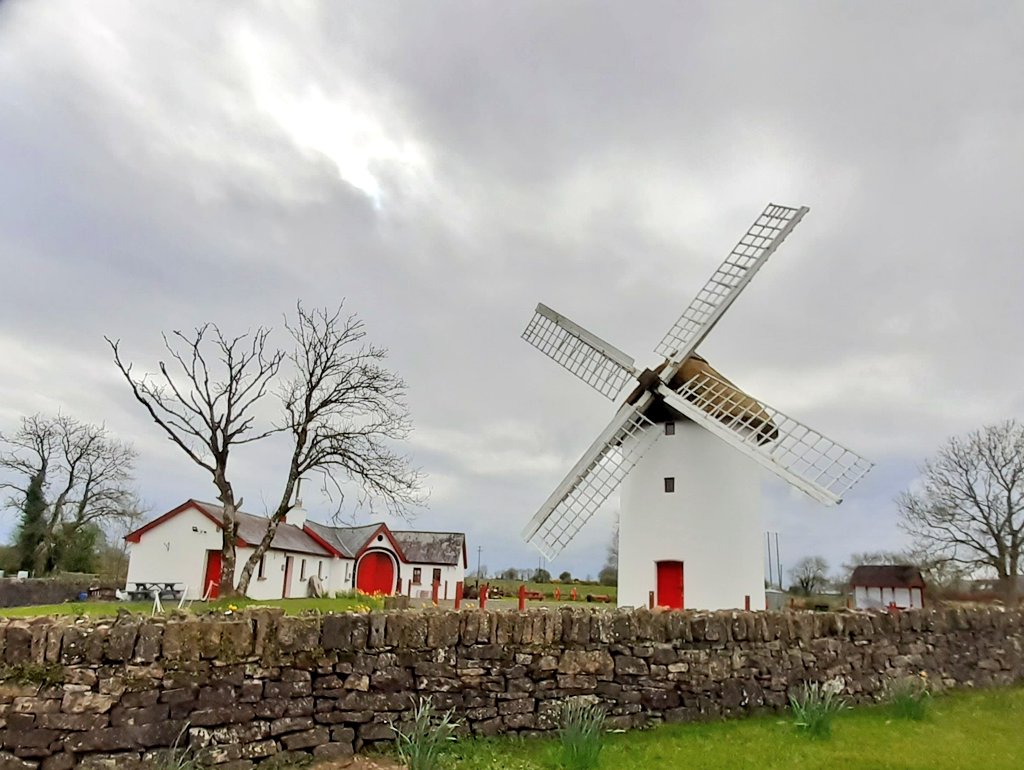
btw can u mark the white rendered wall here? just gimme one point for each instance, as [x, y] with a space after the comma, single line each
[341, 581]
[172, 552]
[175, 552]
[450, 575]
[711, 523]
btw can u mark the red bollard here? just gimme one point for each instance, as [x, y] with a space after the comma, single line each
[458, 595]
[435, 589]
[572, 594]
[746, 602]
[558, 594]
[483, 596]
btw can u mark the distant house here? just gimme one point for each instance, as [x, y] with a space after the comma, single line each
[184, 546]
[878, 586]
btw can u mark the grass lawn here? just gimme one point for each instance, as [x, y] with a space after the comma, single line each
[965, 730]
[100, 609]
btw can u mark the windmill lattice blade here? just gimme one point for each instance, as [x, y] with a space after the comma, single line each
[597, 474]
[813, 463]
[602, 366]
[764, 236]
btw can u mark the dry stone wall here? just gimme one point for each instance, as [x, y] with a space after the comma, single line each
[263, 688]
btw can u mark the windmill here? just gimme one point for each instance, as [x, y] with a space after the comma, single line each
[683, 446]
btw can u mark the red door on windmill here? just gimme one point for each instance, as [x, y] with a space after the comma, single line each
[375, 574]
[211, 583]
[670, 584]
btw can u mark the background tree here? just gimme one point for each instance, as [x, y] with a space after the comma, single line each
[67, 478]
[810, 574]
[609, 574]
[541, 575]
[31, 534]
[510, 574]
[969, 510]
[565, 577]
[341, 408]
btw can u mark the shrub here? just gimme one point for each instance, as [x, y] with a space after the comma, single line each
[422, 741]
[909, 697]
[581, 735]
[816, 705]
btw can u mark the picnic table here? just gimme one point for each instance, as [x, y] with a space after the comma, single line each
[144, 591]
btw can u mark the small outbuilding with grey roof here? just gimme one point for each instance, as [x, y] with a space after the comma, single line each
[880, 586]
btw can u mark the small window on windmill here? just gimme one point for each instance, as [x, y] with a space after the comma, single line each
[417, 576]
[262, 572]
[670, 429]
[302, 570]
[670, 484]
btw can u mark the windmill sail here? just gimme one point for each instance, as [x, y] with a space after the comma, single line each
[757, 244]
[602, 366]
[813, 463]
[592, 480]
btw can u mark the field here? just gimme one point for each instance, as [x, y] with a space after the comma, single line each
[511, 589]
[102, 609]
[964, 730]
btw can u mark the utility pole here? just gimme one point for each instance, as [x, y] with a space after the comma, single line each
[479, 552]
[778, 564]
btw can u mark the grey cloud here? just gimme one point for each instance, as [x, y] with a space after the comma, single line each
[599, 157]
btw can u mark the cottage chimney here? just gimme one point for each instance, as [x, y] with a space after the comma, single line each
[297, 515]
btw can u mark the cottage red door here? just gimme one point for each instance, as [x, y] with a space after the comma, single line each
[211, 584]
[376, 573]
[670, 584]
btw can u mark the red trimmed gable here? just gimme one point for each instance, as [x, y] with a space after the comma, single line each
[136, 536]
[381, 530]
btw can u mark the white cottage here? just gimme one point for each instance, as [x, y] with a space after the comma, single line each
[184, 546]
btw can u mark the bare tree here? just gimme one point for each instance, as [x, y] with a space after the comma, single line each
[343, 410]
[204, 399]
[970, 508]
[84, 473]
[810, 574]
[338, 404]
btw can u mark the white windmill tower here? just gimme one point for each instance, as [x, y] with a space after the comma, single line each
[690, 520]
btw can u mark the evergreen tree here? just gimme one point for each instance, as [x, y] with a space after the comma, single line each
[32, 528]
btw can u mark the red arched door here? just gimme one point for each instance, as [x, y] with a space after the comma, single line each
[376, 573]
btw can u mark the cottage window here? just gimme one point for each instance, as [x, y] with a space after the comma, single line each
[670, 484]
[261, 572]
[320, 569]
[302, 570]
[417, 576]
[437, 574]
[670, 429]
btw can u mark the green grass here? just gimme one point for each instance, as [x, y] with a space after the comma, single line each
[965, 730]
[103, 609]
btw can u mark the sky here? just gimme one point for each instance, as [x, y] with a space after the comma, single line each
[443, 167]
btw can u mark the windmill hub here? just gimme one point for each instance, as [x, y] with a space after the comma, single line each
[708, 537]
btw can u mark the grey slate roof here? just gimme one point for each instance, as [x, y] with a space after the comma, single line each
[887, 576]
[431, 547]
[347, 540]
[252, 528]
[420, 547]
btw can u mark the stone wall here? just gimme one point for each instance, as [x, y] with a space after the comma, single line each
[21, 593]
[261, 687]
